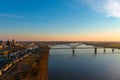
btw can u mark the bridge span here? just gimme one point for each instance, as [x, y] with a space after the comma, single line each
[74, 47]
[74, 44]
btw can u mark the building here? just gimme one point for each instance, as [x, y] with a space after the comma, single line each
[1, 47]
[8, 43]
[13, 43]
[2, 44]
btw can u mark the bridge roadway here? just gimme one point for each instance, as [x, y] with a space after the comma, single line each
[77, 48]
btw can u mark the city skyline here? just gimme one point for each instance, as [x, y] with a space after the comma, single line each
[60, 20]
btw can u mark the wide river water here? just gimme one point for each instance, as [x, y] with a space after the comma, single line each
[84, 64]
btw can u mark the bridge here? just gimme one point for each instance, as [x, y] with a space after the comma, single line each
[95, 49]
[74, 44]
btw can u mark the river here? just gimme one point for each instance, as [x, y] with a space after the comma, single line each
[84, 64]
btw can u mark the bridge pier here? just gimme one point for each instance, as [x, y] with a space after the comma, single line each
[73, 50]
[95, 50]
[104, 50]
[112, 50]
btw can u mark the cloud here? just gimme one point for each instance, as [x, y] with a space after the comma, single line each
[111, 8]
[23, 17]
[10, 15]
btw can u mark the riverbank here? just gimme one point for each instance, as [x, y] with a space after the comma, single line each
[30, 67]
[105, 44]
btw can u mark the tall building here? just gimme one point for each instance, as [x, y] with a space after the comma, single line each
[2, 44]
[13, 42]
[8, 43]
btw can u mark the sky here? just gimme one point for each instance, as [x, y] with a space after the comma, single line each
[60, 20]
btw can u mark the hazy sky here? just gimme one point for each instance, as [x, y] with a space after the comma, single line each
[77, 20]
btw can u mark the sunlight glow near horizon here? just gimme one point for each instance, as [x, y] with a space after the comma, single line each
[91, 37]
[59, 20]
